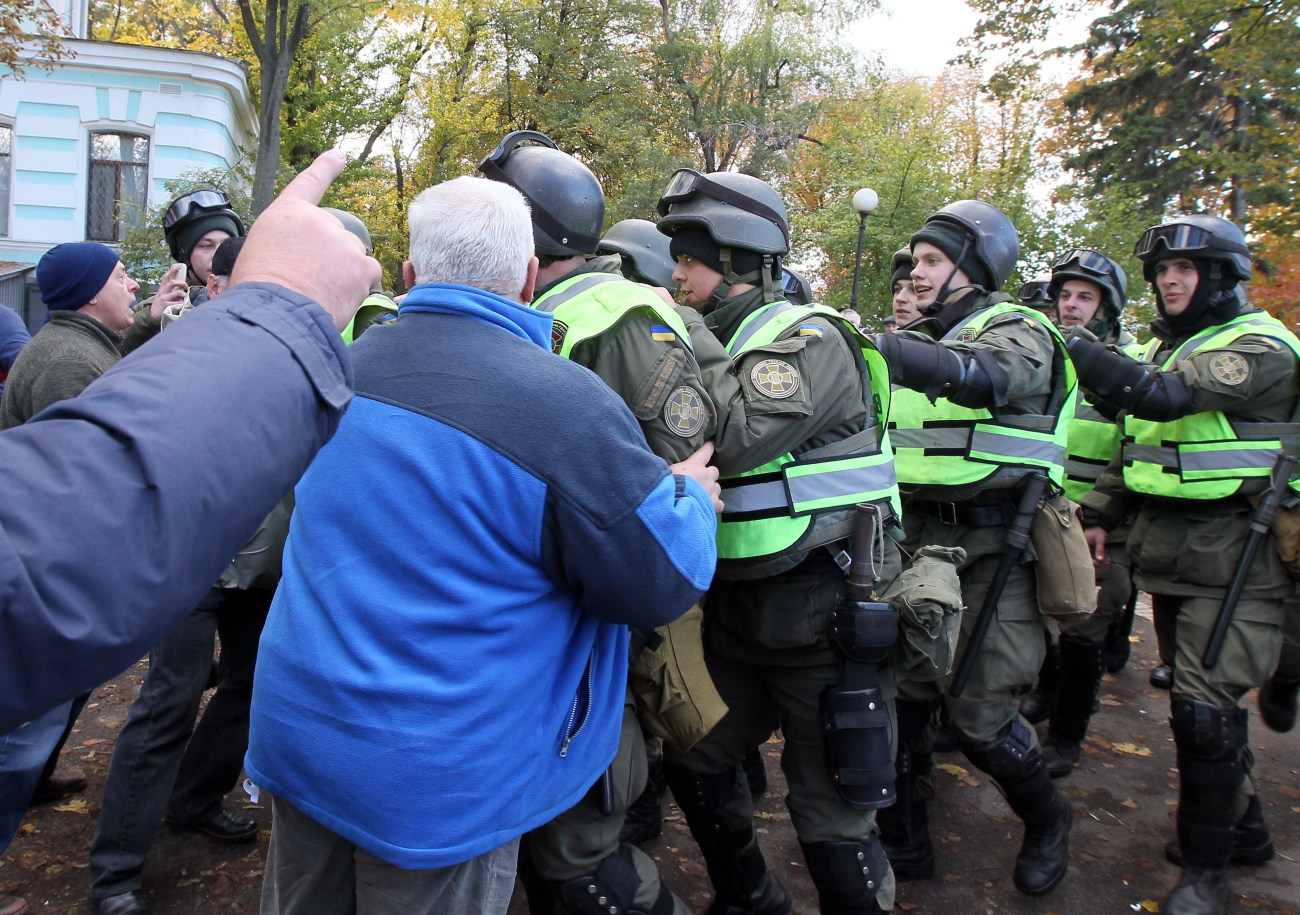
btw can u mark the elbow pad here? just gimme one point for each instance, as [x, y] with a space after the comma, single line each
[936, 371]
[1129, 385]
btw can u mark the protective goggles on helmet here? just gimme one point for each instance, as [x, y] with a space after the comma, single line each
[206, 199]
[1035, 291]
[1183, 238]
[687, 184]
[1087, 260]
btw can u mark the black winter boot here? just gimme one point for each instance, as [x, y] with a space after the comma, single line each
[1210, 769]
[905, 827]
[644, 819]
[1277, 702]
[1017, 767]
[1162, 676]
[741, 881]
[1076, 697]
[847, 875]
[1037, 704]
[1251, 842]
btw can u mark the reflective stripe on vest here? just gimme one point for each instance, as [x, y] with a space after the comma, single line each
[1092, 440]
[589, 304]
[943, 444]
[1207, 455]
[787, 502]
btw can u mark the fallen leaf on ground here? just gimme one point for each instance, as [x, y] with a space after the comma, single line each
[1146, 905]
[76, 805]
[1131, 748]
[953, 769]
[1130, 803]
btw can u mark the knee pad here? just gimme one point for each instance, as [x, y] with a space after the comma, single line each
[1205, 730]
[847, 874]
[855, 723]
[1012, 757]
[613, 888]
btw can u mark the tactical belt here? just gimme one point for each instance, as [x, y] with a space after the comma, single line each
[964, 513]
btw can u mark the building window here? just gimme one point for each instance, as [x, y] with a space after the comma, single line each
[119, 174]
[6, 156]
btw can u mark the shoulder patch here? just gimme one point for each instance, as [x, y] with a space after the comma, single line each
[558, 330]
[662, 332]
[1229, 368]
[966, 335]
[776, 378]
[809, 330]
[685, 412]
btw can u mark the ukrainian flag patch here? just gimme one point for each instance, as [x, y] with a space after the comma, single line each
[662, 332]
[809, 330]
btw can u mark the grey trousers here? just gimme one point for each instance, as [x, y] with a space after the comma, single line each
[311, 870]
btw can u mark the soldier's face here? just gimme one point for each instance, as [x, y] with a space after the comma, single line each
[695, 279]
[1176, 280]
[1078, 302]
[204, 249]
[931, 268]
[905, 310]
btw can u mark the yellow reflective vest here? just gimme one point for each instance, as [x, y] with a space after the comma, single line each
[793, 503]
[1207, 455]
[589, 304]
[1092, 440]
[943, 444]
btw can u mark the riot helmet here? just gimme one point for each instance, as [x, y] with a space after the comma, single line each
[982, 238]
[191, 216]
[1034, 294]
[1102, 272]
[1218, 250]
[644, 250]
[567, 204]
[737, 221]
[354, 225]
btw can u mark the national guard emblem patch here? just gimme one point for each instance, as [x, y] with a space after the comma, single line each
[1229, 368]
[685, 412]
[775, 378]
[966, 335]
[558, 330]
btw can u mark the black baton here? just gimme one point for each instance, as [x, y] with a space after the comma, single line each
[1031, 493]
[1260, 521]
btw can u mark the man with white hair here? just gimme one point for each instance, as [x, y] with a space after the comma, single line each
[443, 667]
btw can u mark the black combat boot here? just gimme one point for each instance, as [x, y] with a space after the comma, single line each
[1210, 769]
[1251, 842]
[1277, 702]
[1037, 704]
[905, 827]
[644, 819]
[1162, 676]
[1016, 764]
[741, 881]
[847, 875]
[1076, 700]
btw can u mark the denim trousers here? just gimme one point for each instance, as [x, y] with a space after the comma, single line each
[164, 764]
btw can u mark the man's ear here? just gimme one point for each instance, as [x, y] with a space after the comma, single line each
[214, 288]
[530, 281]
[408, 274]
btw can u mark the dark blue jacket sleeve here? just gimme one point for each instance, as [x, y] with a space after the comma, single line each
[13, 337]
[633, 540]
[119, 508]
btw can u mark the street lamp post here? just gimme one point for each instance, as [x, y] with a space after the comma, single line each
[864, 201]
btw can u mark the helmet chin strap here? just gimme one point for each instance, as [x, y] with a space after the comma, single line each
[942, 295]
[722, 291]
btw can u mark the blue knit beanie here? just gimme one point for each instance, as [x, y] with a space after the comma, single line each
[70, 275]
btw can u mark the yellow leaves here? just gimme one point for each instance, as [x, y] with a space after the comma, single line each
[1146, 905]
[963, 776]
[1131, 748]
[76, 805]
[1129, 803]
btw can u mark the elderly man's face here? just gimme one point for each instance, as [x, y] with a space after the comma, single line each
[111, 306]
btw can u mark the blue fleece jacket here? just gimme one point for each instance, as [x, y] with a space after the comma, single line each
[444, 664]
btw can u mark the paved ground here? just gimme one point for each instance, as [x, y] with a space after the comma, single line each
[1123, 795]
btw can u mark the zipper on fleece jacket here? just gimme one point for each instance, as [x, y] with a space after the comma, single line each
[581, 709]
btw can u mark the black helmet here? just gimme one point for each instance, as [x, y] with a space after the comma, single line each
[737, 211]
[644, 250]
[1209, 237]
[1035, 294]
[1096, 268]
[797, 289]
[354, 225]
[991, 239]
[191, 216]
[568, 207]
